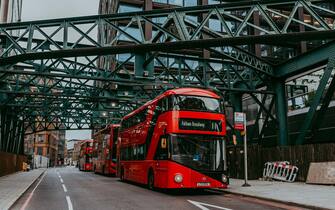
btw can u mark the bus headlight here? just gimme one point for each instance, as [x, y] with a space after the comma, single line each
[224, 178]
[178, 178]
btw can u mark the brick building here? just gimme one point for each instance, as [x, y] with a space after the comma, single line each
[47, 144]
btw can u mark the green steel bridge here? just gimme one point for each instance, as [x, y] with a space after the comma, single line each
[86, 72]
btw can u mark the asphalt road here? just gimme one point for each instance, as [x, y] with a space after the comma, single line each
[68, 188]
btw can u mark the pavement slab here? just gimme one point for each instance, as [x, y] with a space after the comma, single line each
[13, 186]
[313, 196]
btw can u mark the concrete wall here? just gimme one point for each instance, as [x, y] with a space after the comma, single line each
[11, 163]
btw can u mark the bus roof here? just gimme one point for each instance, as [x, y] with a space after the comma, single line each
[106, 129]
[192, 91]
[177, 91]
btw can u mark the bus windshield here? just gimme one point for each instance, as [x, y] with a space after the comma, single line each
[196, 103]
[202, 153]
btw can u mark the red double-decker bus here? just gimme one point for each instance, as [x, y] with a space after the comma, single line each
[176, 140]
[85, 155]
[104, 150]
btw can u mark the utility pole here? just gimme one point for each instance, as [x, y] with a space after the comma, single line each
[245, 153]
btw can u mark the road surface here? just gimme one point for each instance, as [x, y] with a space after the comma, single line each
[68, 188]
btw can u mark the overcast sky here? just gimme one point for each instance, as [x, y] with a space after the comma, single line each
[46, 9]
[49, 9]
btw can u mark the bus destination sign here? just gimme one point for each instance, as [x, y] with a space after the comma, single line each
[200, 124]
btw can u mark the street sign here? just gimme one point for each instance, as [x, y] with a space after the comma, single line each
[239, 120]
[240, 123]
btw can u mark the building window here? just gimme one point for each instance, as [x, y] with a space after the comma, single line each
[39, 151]
[40, 138]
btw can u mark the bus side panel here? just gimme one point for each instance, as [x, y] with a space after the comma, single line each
[161, 174]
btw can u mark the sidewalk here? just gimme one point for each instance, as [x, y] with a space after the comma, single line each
[14, 185]
[313, 196]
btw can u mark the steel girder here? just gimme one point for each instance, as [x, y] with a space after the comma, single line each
[11, 132]
[327, 78]
[172, 25]
[298, 65]
[37, 52]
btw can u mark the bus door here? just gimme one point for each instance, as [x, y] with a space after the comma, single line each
[161, 165]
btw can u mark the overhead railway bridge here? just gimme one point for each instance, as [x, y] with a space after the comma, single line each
[86, 72]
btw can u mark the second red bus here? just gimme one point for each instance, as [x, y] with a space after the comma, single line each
[85, 156]
[104, 150]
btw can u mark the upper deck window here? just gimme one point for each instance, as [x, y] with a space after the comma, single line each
[189, 103]
[196, 103]
[135, 119]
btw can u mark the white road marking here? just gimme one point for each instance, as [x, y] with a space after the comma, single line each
[61, 180]
[64, 188]
[31, 194]
[69, 203]
[202, 206]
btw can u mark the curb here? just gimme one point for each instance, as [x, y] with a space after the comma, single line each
[277, 201]
[26, 189]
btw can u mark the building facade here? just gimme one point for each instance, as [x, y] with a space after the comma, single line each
[46, 144]
[10, 11]
[72, 151]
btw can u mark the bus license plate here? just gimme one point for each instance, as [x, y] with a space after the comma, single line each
[203, 184]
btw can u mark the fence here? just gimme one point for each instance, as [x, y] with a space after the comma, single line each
[300, 156]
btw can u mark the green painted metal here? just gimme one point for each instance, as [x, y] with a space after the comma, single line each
[281, 111]
[256, 129]
[142, 70]
[54, 79]
[306, 61]
[178, 18]
[266, 121]
[324, 105]
[306, 126]
[11, 131]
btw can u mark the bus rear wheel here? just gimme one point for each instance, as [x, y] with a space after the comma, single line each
[151, 180]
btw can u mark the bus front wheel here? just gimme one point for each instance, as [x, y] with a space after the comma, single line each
[151, 180]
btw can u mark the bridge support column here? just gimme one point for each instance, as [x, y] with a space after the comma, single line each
[281, 112]
[144, 66]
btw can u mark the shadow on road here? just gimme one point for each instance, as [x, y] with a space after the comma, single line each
[179, 192]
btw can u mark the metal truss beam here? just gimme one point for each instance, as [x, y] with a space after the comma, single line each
[306, 126]
[324, 106]
[227, 51]
[178, 27]
[306, 61]
[53, 65]
[11, 131]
